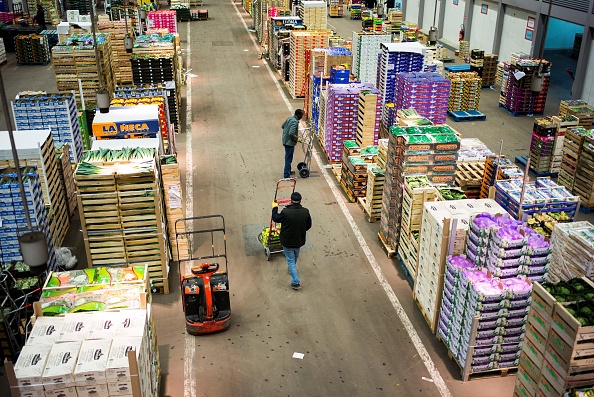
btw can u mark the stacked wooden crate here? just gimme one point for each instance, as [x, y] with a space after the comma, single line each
[369, 115]
[120, 66]
[121, 211]
[300, 41]
[353, 176]
[562, 126]
[579, 109]
[36, 148]
[498, 168]
[576, 261]
[67, 178]
[313, 14]
[572, 148]
[469, 177]
[583, 184]
[174, 207]
[372, 202]
[489, 70]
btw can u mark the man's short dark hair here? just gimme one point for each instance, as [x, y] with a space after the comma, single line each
[299, 113]
[296, 197]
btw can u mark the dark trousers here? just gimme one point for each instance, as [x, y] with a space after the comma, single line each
[289, 150]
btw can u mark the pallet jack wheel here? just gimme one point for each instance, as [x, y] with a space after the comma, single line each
[304, 172]
[267, 253]
[301, 165]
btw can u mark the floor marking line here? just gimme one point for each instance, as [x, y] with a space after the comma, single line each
[412, 333]
[190, 341]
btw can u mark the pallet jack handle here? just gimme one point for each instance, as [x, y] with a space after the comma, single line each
[212, 231]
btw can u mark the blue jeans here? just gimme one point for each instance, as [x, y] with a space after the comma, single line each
[289, 150]
[292, 254]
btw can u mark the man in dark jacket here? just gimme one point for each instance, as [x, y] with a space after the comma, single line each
[40, 17]
[295, 222]
[290, 138]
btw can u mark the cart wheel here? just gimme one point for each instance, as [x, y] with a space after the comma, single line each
[304, 172]
[267, 253]
[301, 165]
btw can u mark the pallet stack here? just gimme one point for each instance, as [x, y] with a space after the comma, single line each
[412, 151]
[465, 92]
[417, 191]
[409, 32]
[174, 207]
[300, 41]
[13, 218]
[517, 97]
[335, 9]
[120, 66]
[121, 212]
[464, 49]
[393, 22]
[32, 49]
[572, 148]
[368, 123]
[313, 14]
[477, 62]
[163, 19]
[562, 125]
[554, 359]
[489, 70]
[372, 203]
[583, 184]
[36, 149]
[54, 112]
[397, 58]
[542, 145]
[366, 48]
[577, 261]
[427, 93]
[353, 175]
[498, 168]
[341, 116]
[469, 177]
[67, 177]
[579, 109]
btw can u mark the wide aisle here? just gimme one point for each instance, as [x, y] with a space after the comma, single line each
[342, 320]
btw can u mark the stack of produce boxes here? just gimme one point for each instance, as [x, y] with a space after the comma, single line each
[368, 122]
[583, 184]
[579, 109]
[162, 19]
[373, 192]
[444, 229]
[388, 119]
[518, 97]
[36, 148]
[366, 48]
[121, 211]
[313, 14]
[576, 261]
[427, 93]
[341, 116]
[572, 149]
[3, 58]
[498, 168]
[67, 177]
[477, 62]
[300, 41]
[464, 49]
[489, 70]
[394, 21]
[543, 195]
[465, 93]
[417, 191]
[174, 207]
[336, 8]
[542, 144]
[484, 306]
[427, 151]
[471, 166]
[13, 212]
[121, 68]
[563, 125]
[32, 49]
[555, 355]
[158, 101]
[396, 58]
[353, 176]
[54, 112]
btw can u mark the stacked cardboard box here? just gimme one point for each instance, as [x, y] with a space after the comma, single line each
[465, 92]
[374, 190]
[489, 70]
[562, 126]
[368, 123]
[427, 93]
[341, 116]
[335, 8]
[579, 109]
[518, 97]
[121, 68]
[300, 41]
[555, 356]
[572, 148]
[162, 19]
[583, 184]
[576, 261]
[54, 112]
[444, 228]
[313, 14]
[542, 144]
[431, 151]
[477, 62]
[464, 49]
[36, 148]
[498, 168]
[353, 175]
[32, 49]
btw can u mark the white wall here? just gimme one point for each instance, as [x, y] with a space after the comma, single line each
[412, 11]
[428, 14]
[453, 18]
[588, 93]
[483, 26]
[514, 29]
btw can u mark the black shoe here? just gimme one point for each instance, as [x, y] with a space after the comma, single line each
[296, 286]
[292, 172]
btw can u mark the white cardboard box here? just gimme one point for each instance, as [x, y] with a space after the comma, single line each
[120, 388]
[29, 366]
[132, 322]
[31, 393]
[92, 362]
[65, 392]
[72, 15]
[118, 369]
[104, 325]
[75, 327]
[59, 368]
[45, 331]
[92, 391]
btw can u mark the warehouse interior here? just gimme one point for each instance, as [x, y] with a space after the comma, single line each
[354, 320]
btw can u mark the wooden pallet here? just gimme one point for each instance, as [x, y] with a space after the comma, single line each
[470, 173]
[387, 248]
[337, 170]
[372, 216]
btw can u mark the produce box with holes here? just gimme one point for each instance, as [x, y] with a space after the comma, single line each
[96, 276]
[125, 121]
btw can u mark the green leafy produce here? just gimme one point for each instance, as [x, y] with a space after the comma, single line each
[583, 321]
[563, 290]
[571, 311]
[452, 194]
[586, 311]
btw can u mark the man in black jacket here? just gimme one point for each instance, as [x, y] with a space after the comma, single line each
[295, 222]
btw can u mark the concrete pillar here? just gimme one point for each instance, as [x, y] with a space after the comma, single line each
[582, 66]
[441, 18]
[421, 13]
[468, 11]
[498, 28]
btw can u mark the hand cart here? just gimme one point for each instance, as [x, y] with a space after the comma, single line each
[307, 142]
[204, 286]
[270, 236]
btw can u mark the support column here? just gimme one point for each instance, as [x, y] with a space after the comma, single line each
[440, 18]
[468, 11]
[538, 37]
[498, 28]
[421, 13]
[582, 65]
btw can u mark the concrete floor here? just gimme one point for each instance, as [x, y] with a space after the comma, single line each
[353, 335]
